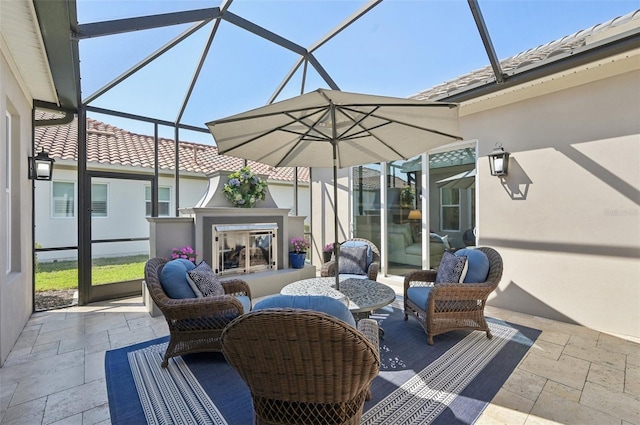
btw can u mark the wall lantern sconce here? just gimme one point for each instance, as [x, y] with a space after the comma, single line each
[499, 161]
[41, 166]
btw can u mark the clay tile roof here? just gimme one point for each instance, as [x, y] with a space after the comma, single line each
[107, 144]
[538, 56]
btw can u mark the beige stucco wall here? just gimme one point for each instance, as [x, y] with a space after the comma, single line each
[322, 210]
[567, 217]
[16, 291]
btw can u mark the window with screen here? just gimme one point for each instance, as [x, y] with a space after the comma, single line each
[99, 192]
[450, 209]
[164, 201]
[63, 200]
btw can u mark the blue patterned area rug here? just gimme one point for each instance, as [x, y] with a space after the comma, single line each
[450, 382]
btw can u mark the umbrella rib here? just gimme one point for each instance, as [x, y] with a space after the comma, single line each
[356, 122]
[263, 115]
[402, 105]
[368, 130]
[273, 130]
[430, 130]
[310, 128]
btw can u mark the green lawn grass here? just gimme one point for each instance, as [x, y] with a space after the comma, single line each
[64, 274]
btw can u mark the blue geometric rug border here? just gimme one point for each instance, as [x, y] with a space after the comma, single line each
[397, 368]
[122, 387]
[404, 353]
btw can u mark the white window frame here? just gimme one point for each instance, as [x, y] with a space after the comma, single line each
[443, 206]
[7, 185]
[106, 200]
[147, 202]
[53, 201]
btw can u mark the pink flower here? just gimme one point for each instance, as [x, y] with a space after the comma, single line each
[185, 252]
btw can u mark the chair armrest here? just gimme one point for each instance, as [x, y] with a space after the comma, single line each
[369, 329]
[328, 269]
[458, 297]
[419, 276]
[461, 291]
[194, 308]
[236, 287]
[372, 272]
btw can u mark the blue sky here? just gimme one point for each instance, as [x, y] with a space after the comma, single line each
[398, 49]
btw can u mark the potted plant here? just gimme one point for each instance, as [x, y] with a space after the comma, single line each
[407, 196]
[298, 252]
[327, 252]
[185, 252]
[244, 188]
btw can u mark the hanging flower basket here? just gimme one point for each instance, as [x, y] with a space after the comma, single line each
[245, 188]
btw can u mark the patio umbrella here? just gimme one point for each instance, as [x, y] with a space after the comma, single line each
[336, 129]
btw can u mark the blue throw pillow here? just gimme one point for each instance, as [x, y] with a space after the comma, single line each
[361, 243]
[245, 301]
[203, 280]
[478, 269]
[320, 303]
[451, 269]
[353, 260]
[173, 279]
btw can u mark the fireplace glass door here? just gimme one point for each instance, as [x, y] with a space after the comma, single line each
[245, 248]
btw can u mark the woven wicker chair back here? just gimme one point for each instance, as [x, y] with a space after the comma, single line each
[301, 366]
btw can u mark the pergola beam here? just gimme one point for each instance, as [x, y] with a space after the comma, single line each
[486, 40]
[344, 24]
[119, 26]
[264, 33]
[196, 73]
[144, 62]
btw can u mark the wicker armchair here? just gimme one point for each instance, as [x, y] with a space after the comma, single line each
[195, 324]
[452, 306]
[329, 268]
[302, 366]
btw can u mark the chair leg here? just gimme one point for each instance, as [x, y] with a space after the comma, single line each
[430, 339]
[406, 316]
[489, 335]
[168, 354]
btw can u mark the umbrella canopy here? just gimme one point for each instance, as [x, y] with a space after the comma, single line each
[464, 180]
[329, 128]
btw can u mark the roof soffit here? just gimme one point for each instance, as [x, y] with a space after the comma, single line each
[22, 37]
[584, 74]
[57, 20]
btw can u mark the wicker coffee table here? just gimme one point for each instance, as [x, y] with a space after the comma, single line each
[363, 295]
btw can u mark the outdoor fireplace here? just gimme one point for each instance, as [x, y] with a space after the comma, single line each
[244, 248]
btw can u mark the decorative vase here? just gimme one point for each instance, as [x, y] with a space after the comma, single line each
[326, 256]
[296, 259]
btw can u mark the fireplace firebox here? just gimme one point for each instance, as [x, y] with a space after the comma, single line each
[244, 248]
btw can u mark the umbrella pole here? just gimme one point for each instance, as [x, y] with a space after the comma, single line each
[334, 145]
[336, 248]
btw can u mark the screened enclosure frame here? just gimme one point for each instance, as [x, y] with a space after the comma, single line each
[62, 35]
